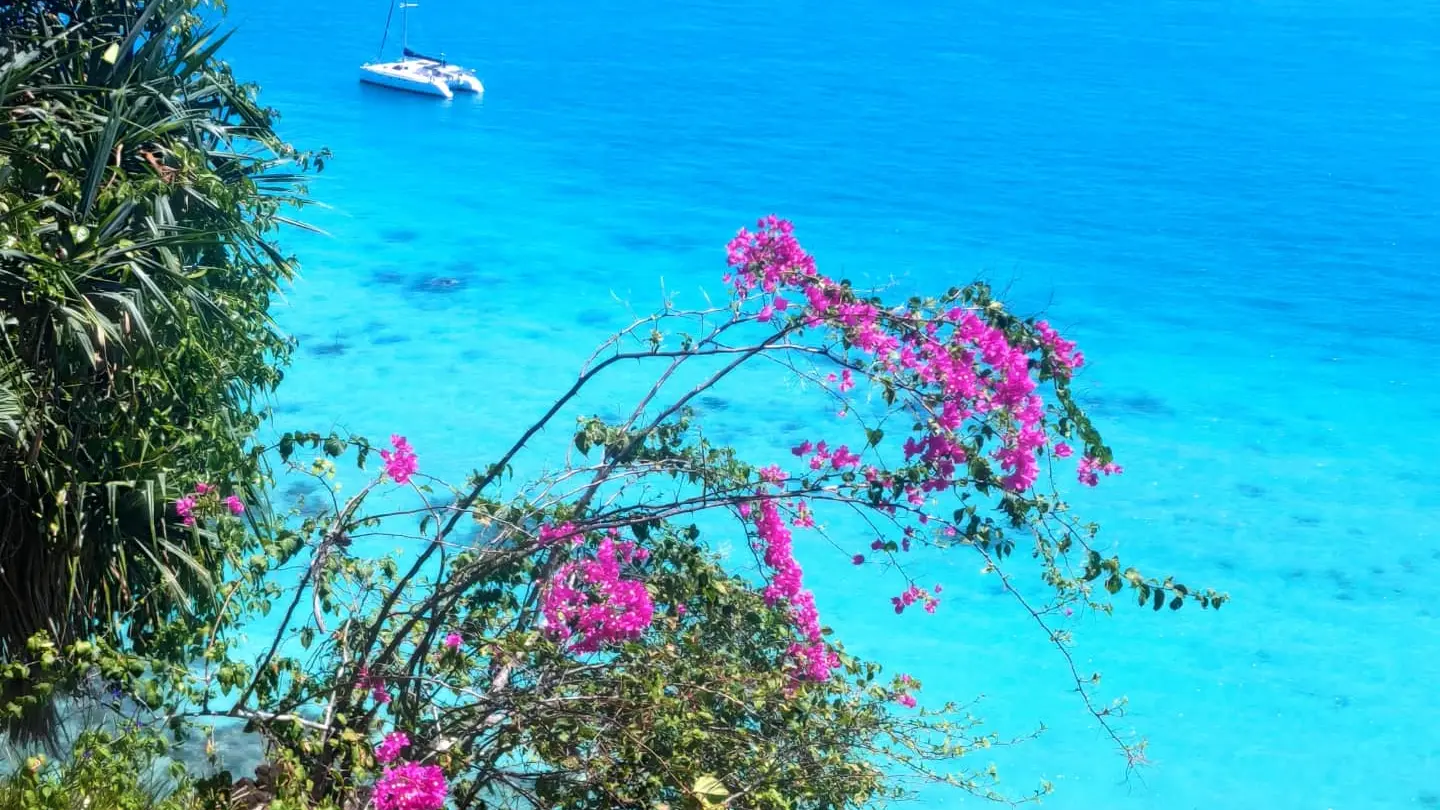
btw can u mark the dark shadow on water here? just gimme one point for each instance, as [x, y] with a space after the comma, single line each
[295, 489]
[595, 317]
[713, 403]
[399, 236]
[1251, 491]
[335, 348]
[1141, 404]
[386, 340]
[436, 285]
[1146, 405]
[389, 274]
[426, 282]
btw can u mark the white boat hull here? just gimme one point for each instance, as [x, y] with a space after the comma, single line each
[421, 76]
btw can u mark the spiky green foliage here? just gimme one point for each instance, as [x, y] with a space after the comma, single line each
[140, 189]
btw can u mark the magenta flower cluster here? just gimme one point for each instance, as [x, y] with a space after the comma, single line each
[411, 786]
[929, 600]
[401, 463]
[588, 603]
[821, 456]
[1063, 357]
[379, 692]
[958, 368]
[1090, 469]
[969, 367]
[812, 659]
[389, 749]
[902, 694]
[206, 498]
[565, 531]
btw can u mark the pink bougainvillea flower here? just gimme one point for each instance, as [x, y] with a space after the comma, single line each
[411, 786]
[453, 641]
[185, 508]
[1090, 468]
[389, 749]
[235, 506]
[401, 463]
[376, 685]
[1064, 358]
[554, 534]
[590, 605]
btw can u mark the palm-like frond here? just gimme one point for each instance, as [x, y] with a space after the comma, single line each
[140, 186]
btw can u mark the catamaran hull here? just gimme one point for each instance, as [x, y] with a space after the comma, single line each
[466, 84]
[425, 85]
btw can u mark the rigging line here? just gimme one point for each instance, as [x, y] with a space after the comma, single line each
[388, 17]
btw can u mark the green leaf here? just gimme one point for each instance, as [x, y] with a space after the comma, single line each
[710, 790]
[101, 156]
[111, 54]
[1114, 584]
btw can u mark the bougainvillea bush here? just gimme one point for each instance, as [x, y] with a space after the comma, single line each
[572, 639]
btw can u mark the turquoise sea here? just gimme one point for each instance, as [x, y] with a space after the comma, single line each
[1233, 206]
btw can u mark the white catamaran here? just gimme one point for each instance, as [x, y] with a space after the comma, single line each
[416, 72]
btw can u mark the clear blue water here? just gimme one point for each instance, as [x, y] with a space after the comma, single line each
[1234, 206]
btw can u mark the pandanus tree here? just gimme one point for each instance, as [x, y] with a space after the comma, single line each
[141, 187]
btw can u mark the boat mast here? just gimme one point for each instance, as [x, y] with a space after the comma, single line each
[405, 28]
